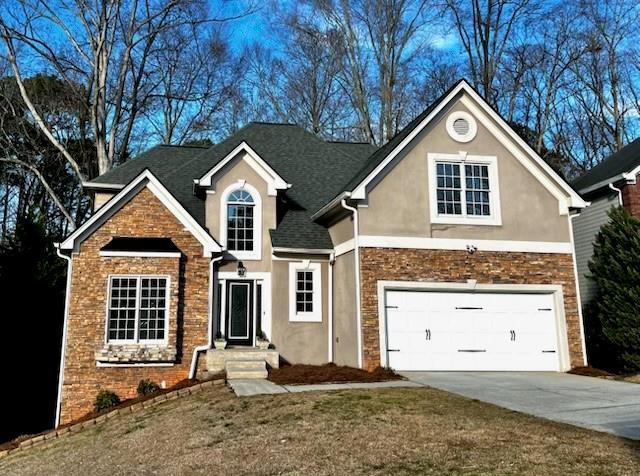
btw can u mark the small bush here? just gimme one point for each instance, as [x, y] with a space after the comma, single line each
[147, 387]
[106, 399]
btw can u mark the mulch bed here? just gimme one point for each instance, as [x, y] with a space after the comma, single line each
[590, 372]
[9, 445]
[328, 373]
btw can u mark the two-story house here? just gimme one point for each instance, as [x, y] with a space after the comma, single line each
[450, 248]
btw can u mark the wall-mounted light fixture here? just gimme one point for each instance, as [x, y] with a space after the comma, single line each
[472, 249]
[241, 269]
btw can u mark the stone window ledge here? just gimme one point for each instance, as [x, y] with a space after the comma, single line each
[136, 353]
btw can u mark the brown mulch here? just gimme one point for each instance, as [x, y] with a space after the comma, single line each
[328, 373]
[9, 445]
[590, 372]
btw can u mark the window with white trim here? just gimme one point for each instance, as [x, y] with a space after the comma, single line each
[240, 221]
[305, 294]
[464, 189]
[138, 309]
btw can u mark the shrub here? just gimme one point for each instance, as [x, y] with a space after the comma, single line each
[616, 271]
[106, 399]
[147, 387]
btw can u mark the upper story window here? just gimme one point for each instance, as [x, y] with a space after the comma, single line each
[240, 221]
[138, 309]
[464, 189]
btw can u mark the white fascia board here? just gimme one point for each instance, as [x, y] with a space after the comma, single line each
[574, 200]
[332, 204]
[106, 186]
[631, 176]
[371, 241]
[257, 163]
[148, 180]
[307, 251]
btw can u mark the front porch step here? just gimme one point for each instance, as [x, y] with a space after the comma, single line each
[246, 369]
[217, 359]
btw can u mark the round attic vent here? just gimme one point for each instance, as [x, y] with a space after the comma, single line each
[461, 126]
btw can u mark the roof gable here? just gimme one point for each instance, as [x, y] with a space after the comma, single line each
[473, 101]
[146, 179]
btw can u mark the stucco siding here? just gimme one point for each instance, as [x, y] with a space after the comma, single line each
[239, 169]
[585, 228]
[342, 230]
[398, 204]
[298, 342]
[345, 340]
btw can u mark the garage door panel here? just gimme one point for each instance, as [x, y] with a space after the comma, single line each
[471, 331]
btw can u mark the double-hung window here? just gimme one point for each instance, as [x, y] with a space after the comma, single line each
[464, 191]
[138, 309]
[305, 303]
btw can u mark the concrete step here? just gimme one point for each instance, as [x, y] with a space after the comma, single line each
[246, 369]
[246, 364]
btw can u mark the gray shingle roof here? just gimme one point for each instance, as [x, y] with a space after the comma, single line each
[625, 160]
[315, 168]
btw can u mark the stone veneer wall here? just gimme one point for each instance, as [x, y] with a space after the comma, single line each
[631, 198]
[143, 216]
[388, 264]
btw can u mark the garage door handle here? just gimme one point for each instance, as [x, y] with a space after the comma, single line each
[393, 350]
[428, 333]
[469, 308]
[472, 350]
[513, 335]
[548, 351]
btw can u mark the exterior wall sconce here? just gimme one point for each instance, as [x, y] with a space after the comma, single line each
[472, 249]
[241, 269]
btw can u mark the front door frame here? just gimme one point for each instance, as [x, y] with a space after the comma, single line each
[250, 336]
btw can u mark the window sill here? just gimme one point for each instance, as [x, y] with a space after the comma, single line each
[123, 353]
[305, 318]
[489, 221]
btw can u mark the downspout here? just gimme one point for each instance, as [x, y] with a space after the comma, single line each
[202, 348]
[578, 299]
[332, 260]
[616, 189]
[64, 333]
[356, 253]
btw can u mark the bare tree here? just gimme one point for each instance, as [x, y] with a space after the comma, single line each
[485, 28]
[105, 47]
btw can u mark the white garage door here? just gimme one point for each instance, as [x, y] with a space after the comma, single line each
[471, 331]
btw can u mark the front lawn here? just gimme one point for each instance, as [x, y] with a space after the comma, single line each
[382, 431]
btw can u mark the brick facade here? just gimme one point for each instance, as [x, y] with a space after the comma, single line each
[459, 266]
[144, 216]
[631, 198]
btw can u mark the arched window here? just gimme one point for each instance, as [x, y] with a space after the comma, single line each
[240, 221]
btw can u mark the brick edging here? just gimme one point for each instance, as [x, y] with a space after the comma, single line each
[54, 434]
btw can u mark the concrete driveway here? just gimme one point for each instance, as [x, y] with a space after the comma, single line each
[599, 404]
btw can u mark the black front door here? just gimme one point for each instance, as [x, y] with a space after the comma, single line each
[239, 315]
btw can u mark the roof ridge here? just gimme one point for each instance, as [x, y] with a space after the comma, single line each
[350, 142]
[269, 123]
[185, 146]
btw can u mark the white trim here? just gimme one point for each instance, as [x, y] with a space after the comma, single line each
[345, 247]
[141, 254]
[274, 181]
[631, 176]
[107, 186]
[577, 286]
[332, 261]
[573, 200]
[494, 219]
[306, 251]
[148, 180]
[63, 350]
[473, 286]
[254, 276]
[167, 309]
[256, 254]
[406, 242]
[473, 126]
[316, 314]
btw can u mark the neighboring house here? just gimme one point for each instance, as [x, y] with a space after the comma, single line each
[613, 182]
[447, 249]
